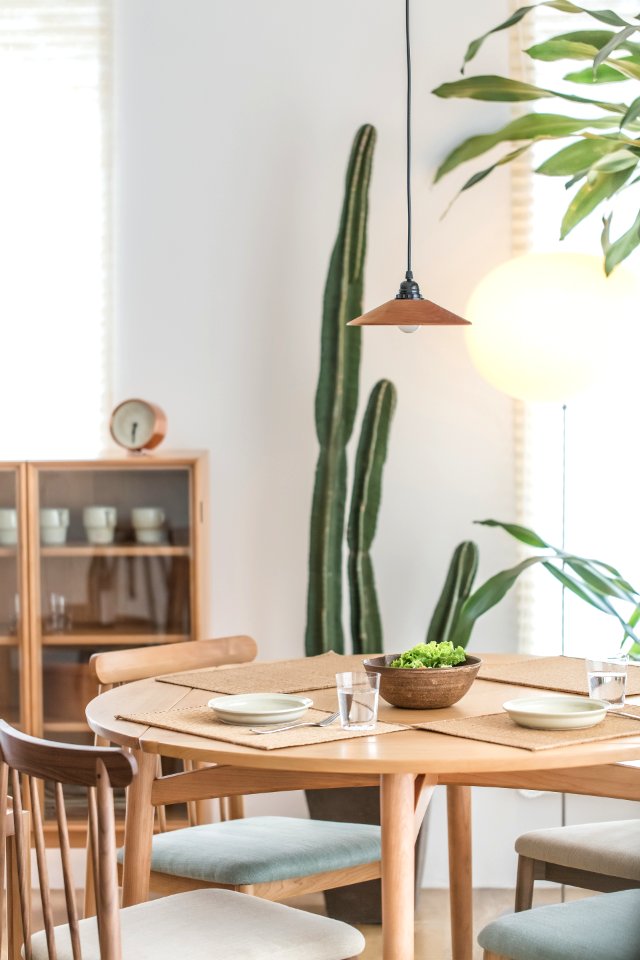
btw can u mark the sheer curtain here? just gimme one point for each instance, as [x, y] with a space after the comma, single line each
[601, 463]
[55, 257]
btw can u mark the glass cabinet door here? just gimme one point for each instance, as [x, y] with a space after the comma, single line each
[114, 551]
[13, 636]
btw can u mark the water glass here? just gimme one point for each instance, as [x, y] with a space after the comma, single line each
[58, 620]
[608, 679]
[358, 694]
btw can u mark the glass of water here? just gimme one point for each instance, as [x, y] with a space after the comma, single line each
[358, 699]
[608, 679]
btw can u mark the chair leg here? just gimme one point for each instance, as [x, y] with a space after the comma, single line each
[524, 883]
[14, 918]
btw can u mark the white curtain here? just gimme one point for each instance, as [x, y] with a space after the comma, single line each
[55, 256]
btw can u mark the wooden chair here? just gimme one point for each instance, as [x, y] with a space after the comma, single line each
[203, 925]
[593, 856]
[271, 857]
[605, 927]
[10, 905]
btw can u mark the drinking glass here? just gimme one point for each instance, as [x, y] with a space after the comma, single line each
[608, 679]
[58, 620]
[358, 699]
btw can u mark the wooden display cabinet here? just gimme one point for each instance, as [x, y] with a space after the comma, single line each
[15, 689]
[62, 602]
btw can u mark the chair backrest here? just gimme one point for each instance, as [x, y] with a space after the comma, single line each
[25, 763]
[140, 663]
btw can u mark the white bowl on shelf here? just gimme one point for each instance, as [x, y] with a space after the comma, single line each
[255, 708]
[556, 712]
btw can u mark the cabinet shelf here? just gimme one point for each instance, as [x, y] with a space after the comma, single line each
[66, 726]
[8, 552]
[116, 550]
[9, 640]
[105, 638]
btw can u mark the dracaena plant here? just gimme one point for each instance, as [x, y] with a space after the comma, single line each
[601, 159]
[597, 583]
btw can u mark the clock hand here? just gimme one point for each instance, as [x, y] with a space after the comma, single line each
[134, 427]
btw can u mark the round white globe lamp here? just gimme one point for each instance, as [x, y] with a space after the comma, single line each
[545, 326]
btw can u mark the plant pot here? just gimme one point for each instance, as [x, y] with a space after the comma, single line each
[358, 902]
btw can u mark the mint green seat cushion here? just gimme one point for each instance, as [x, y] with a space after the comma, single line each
[261, 849]
[606, 927]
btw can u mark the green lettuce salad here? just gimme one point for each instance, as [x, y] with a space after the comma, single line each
[430, 655]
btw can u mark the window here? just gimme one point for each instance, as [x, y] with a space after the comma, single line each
[54, 226]
[601, 453]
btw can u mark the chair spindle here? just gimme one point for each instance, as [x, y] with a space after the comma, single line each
[43, 873]
[67, 874]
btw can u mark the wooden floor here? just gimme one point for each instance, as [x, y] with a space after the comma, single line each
[433, 940]
[432, 918]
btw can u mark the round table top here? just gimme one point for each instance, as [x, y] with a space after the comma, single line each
[406, 751]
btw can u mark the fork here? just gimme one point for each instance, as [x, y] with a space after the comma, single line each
[291, 726]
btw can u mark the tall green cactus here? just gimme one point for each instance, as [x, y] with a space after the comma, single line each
[336, 403]
[366, 627]
[457, 587]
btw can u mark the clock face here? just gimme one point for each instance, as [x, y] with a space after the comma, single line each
[138, 425]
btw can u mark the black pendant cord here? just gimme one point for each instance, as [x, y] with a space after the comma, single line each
[409, 274]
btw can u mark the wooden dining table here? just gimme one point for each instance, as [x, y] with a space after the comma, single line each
[407, 764]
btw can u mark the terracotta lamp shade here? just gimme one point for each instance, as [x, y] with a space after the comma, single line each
[408, 313]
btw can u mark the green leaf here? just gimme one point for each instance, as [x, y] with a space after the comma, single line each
[561, 49]
[584, 593]
[618, 160]
[491, 87]
[627, 66]
[614, 43]
[530, 126]
[523, 534]
[564, 6]
[620, 249]
[632, 113]
[486, 597]
[603, 74]
[481, 174]
[576, 158]
[599, 583]
[591, 195]
[597, 39]
[505, 90]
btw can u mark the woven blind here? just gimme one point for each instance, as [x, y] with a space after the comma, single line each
[55, 256]
[600, 459]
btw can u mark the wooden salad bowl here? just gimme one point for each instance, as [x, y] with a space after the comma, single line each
[423, 689]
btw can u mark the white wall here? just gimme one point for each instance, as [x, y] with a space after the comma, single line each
[234, 120]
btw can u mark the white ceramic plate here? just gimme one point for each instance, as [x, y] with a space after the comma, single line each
[256, 708]
[556, 713]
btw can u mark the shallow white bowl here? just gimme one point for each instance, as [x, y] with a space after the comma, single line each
[256, 708]
[556, 713]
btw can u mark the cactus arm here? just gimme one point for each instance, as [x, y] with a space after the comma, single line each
[457, 587]
[336, 403]
[366, 627]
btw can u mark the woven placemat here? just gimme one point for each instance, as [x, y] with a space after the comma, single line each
[275, 676]
[201, 722]
[500, 728]
[564, 674]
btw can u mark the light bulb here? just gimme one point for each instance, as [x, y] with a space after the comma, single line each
[408, 329]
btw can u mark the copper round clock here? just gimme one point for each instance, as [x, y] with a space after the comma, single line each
[138, 425]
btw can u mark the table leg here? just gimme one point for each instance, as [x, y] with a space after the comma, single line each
[460, 879]
[398, 854]
[138, 831]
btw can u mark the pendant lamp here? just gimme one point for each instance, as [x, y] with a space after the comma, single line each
[409, 310]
